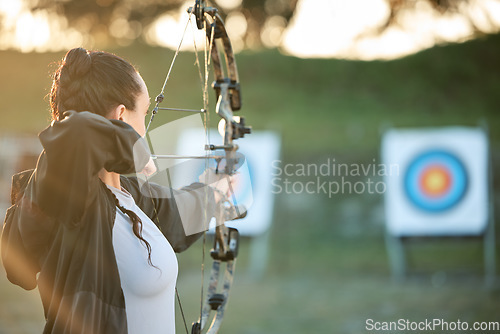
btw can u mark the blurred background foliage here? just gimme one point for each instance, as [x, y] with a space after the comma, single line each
[121, 21]
[328, 270]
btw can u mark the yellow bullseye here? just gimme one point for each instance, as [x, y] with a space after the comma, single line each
[435, 181]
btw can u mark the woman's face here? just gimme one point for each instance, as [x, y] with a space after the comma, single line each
[136, 118]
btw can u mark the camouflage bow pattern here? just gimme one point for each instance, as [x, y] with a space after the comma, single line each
[228, 94]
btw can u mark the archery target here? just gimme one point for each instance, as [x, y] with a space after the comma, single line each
[435, 181]
[441, 184]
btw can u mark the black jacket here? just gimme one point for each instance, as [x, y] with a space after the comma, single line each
[58, 232]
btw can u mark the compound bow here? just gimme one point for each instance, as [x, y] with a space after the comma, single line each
[227, 90]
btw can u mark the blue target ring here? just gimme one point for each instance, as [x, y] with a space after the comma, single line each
[435, 181]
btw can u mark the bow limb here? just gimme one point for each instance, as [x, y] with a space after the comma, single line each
[231, 79]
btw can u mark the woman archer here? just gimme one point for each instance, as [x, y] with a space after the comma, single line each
[97, 244]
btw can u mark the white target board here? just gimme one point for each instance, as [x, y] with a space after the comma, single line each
[441, 184]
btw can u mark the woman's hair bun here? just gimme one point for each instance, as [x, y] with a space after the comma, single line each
[77, 63]
[94, 81]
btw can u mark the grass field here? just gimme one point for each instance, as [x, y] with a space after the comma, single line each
[328, 270]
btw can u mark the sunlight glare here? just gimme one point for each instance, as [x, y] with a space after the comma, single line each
[32, 31]
[323, 28]
[10, 8]
[38, 31]
[236, 27]
[125, 31]
[167, 30]
[344, 29]
[493, 9]
[485, 15]
[273, 31]
[229, 4]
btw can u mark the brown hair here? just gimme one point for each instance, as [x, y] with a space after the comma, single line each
[93, 81]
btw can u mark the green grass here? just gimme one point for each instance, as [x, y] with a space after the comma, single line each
[328, 270]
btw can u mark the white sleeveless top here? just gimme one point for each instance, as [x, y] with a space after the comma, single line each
[149, 292]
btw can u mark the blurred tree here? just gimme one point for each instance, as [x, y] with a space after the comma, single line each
[112, 20]
[125, 20]
[397, 7]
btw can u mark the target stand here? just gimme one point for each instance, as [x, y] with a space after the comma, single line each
[443, 189]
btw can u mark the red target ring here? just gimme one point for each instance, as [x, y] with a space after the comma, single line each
[435, 181]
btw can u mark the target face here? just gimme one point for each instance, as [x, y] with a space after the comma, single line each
[435, 181]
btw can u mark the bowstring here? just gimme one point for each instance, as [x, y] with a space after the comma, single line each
[206, 123]
[160, 96]
[155, 109]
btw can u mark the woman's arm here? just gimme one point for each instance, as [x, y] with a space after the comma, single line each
[75, 150]
[181, 215]
[62, 185]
